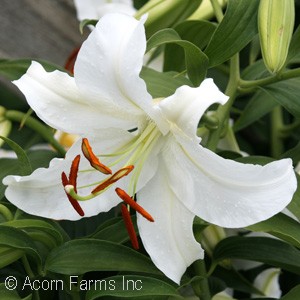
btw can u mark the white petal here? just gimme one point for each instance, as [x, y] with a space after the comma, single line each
[108, 66]
[169, 240]
[42, 192]
[225, 192]
[268, 283]
[57, 101]
[185, 108]
[94, 9]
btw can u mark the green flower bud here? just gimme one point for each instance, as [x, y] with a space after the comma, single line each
[166, 13]
[275, 25]
[5, 125]
[210, 237]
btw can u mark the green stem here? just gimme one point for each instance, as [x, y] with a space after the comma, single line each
[201, 287]
[217, 9]
[27, 267]
[224, 110]
[31, 275]
[250, 85]
[286, 130]
[6, 213]
[277, 147]
[37, 126]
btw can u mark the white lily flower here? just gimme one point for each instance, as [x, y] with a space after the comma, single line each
[174, 177]
[95, 9]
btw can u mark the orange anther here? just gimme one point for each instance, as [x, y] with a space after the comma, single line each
[92, 158]
[73, 202]
[128, 200]
[129, 226]
[112, 179]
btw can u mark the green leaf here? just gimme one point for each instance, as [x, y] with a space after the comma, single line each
[85, 255]
[257, 70]
[259, 105]
[24, 163]
[162, 84]
[236, 30]
[196, 32]
[166, 13]
[282, 227]
[8, 167]
[14, 69]
[195, 60]
[294, 49]
[17, 239]
[293, 153]
[131, 286]
[235, 280]
[9, 255]
[286, 93]
[32, 225]
[292, 294]
[267, 250]
[294, 205]
[113, 231]
[8, 294]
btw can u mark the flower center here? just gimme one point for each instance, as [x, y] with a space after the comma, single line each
[133, 153]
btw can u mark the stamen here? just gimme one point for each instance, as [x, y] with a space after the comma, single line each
[74, 172]
[129, 226]
[73, 202]
[115, 177]
[128, 200]
[92, 158]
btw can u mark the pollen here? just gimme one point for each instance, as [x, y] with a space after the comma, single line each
[92, 158]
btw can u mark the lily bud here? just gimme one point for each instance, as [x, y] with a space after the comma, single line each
[163, 14]
[5, 125]
[210, 237]
[275, 26]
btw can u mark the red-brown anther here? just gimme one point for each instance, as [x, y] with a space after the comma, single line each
[128, 200]
[73, 202]
[112, 179]
[92, 158]
[74, 172]
[129, 226]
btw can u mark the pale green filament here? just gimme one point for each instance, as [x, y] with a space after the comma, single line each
[137, 152]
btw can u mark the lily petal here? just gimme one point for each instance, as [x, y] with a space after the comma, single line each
[169, 240]
[108, 67]
[42, 192]
[57, 101]
[95, 9]
[187, 105]
[225, 192]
